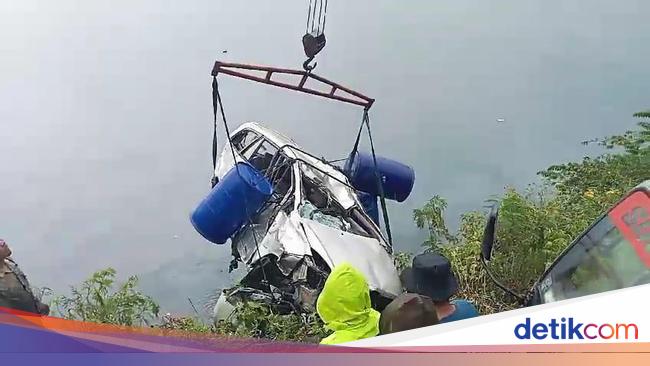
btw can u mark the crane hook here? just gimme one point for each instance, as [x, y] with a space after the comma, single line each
[307, 67]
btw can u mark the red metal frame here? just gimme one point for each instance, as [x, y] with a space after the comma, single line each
[236, 70]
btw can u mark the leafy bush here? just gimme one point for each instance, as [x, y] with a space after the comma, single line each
[95, 301]
[402, 260]
[257, 320]
[462, 249]
[185, 324]
[642, 114]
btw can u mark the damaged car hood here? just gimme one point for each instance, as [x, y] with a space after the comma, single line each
[297, 236]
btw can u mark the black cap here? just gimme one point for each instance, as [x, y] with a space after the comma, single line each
[430, 275]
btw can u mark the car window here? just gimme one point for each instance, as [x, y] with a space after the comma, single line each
[613, 254]
[280, 174]
[248, 151]
[243, 139]
[261, 156]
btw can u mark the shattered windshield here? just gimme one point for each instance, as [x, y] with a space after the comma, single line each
[613, 254]
[320, 205]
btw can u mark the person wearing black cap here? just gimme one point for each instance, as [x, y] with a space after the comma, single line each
[431, 275]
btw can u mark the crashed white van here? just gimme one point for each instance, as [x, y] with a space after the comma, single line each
[312, 222]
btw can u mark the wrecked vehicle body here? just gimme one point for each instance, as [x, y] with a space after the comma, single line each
[313, 221]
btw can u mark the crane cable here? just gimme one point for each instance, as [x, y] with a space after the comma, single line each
[313, 26]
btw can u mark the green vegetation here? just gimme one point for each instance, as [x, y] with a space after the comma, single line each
[257, 320]
[534, 226]
[643, 114]
[96, 301]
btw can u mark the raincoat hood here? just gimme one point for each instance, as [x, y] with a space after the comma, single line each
[344, 305]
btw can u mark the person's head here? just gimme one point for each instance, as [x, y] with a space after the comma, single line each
[408, 311]
[345, 298]
[4, 250]
[430, 275]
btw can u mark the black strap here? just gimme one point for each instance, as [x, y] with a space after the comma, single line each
[215, 106]
[355, 148]
[380, 185]
[366, 120]
[218, 107]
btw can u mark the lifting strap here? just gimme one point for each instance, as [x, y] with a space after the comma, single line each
[382, 198]
[217, 104]
[215, 108]
[355, 148]
[380, 184]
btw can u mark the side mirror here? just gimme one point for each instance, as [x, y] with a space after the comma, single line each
[489, 233]
[486, 251]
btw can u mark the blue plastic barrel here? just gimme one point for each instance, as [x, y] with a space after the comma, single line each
[369, 204]
[397, 178]
[239, 194]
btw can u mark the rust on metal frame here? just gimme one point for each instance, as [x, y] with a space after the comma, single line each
[238, 70]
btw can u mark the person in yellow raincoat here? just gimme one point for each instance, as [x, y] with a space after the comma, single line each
[344, 306]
